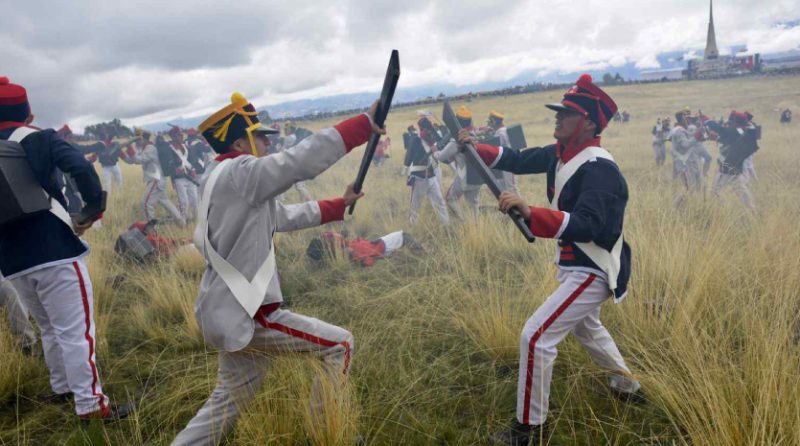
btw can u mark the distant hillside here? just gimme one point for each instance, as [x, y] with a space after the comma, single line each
[305, 107]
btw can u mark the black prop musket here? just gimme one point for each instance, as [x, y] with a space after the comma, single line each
[475, 161]
[387, 93]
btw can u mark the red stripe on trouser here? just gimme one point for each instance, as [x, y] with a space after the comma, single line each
[147, 199]
[532, 344]
[308, 337]
[89, 339]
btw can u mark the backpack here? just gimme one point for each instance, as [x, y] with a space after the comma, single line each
[133, 245]
[21, 194]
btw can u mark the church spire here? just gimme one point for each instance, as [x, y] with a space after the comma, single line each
[711, 41]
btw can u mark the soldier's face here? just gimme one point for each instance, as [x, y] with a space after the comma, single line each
[262, 142]
[566, 123]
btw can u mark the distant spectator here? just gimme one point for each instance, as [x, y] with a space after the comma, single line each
[786, 116]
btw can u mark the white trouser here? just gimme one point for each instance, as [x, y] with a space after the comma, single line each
[187, 197]
[740, 187]
[155, 193]
[61, 302]
[240, 373]
[427, 187]
[392, 242]
[702, 152]
[471, 194]
[690, 175]
[108, 172]
[18, 321]
[749, 169]
[678, 166]
[661, 152]
[573, 307]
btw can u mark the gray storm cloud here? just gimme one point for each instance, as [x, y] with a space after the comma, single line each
[146, 61]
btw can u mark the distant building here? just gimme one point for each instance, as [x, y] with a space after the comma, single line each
[711, 52]
[713, 65]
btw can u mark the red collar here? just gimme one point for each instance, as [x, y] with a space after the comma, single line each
[229, 155]
[570, 152]
[11, 125]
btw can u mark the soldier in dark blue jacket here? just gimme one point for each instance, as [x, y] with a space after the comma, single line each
[107, 154]
[739, 141]
[587, 195]
[43, 257]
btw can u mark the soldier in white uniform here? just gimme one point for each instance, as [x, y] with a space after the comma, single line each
[424, 175]
[508, 180]
[155, 191]
[184, 179]
[238, 305]
[700, 153]
[660, 137]
[686, 161]
[461, 186]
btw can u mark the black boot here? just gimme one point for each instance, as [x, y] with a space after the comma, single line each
[520, 434]
[110, 414]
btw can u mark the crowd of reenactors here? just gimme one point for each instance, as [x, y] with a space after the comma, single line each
[234, 168]
[736, 137]
[429, 144]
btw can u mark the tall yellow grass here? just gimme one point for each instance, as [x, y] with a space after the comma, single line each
[711, 327]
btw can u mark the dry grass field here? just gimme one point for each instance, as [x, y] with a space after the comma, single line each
[710, 327]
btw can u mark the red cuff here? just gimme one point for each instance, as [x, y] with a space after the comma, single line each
[488, 153]
[355, 131]
[229, 155]
[545, 223]
[331, 210]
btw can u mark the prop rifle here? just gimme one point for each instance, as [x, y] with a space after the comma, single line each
[475, 161]
[389, 85]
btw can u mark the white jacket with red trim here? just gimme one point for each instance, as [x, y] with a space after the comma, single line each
[243, 215]
[148, 158]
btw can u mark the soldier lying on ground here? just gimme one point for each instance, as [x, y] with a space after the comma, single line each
[362, 252]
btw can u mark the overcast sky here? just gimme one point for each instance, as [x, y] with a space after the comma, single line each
[145, 61]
